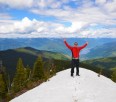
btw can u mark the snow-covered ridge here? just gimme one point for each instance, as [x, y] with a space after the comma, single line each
[62, 88]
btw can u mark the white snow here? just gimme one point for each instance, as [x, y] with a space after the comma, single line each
[63, 88]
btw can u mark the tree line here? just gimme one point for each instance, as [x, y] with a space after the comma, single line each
[26, 78]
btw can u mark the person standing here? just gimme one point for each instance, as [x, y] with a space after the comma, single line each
[75, 56]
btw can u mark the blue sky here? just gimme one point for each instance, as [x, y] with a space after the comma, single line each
[57, 18]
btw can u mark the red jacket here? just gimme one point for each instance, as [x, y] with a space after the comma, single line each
[75, 50]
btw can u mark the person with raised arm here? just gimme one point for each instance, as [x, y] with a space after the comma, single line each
[75, 49]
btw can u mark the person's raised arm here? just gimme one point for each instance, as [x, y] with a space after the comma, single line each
[67, 45]
[81, 47]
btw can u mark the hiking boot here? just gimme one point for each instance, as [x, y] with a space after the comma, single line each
[71, 75]
[77, 75]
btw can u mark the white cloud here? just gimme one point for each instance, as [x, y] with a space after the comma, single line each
[87, 13]
[90, 14]
[17, 3]
[111, 6]
[5, 16]
[101, 2]
[21, 4]
[105, 11]
[33, 28]
[108, 5]
[99, 33]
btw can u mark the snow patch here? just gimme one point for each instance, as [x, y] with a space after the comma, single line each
[63, 88]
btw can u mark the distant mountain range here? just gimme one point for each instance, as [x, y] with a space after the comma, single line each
[106, 63]
[102, 51]
[97, 48]
[28, 55]
[51, 44]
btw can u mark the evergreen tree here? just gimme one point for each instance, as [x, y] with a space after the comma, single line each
[20, 77]
[27, 72]
[38, 69]
[6, 78]
[3, 88]
[100, 72]
[47, 66]
[3, 82]
[52, 69]
[114, 75]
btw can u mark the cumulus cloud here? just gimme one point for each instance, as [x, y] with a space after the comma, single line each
[85, 14]
[39, 28]
[90, 14]
[33, 28]
[99, 33]
[24, 26]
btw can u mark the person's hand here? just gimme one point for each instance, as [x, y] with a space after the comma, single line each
[64, 39]
[87, 43]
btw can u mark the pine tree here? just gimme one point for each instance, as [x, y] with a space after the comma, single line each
[47, 70]
[100, 72]
[114, 75]
[20, 77]
[6, 78]
[52, 69]
[3, 87]
[27, 72]
[38, 69]
[3, 82]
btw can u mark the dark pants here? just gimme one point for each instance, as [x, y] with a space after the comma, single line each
[75, 63]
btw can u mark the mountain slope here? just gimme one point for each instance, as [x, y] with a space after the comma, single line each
[51, 44]
[62, 88]
[107, 63]
[28, 55]
[43, 53]
[102, 51]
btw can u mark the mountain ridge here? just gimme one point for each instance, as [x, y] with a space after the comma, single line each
[51, 44]
[102, 51]
[29, 55]
[106, 63]
[62, 88]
